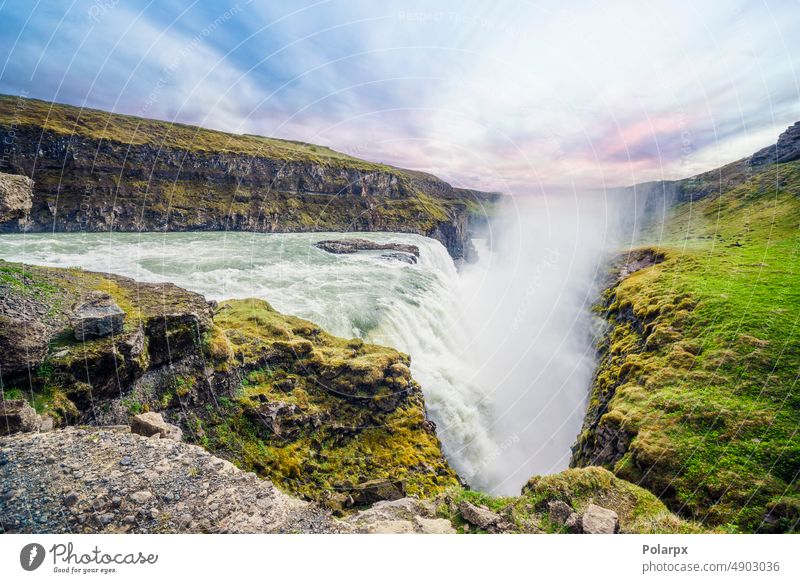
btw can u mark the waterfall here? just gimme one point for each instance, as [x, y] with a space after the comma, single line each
[414, 308]
[503, 351]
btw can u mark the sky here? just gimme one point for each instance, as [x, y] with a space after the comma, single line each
[517, 96]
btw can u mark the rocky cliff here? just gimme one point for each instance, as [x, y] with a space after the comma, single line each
[653, 199]
[786, 149]
[331, 419]
[97, 171]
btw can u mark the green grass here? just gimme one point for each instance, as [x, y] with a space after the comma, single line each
[707, 389]
[639, 511]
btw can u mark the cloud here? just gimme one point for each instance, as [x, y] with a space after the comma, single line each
[509, 95]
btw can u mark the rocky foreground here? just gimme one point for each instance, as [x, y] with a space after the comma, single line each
[322, 417]
[110, 480]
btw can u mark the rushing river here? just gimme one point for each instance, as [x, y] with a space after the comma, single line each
[414, 308]
[502, 350]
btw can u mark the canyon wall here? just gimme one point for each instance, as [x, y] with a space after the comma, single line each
[96, 171]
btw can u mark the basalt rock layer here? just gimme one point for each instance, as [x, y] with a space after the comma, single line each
[97, 171]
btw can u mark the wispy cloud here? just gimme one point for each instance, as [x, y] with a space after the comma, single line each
[508, 95]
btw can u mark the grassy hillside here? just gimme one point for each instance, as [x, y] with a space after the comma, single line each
[701, 364]
[128, 129]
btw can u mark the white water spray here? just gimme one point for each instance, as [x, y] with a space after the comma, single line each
[529, 303]
[414, 308]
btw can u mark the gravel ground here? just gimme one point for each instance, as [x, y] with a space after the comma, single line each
[110, 480]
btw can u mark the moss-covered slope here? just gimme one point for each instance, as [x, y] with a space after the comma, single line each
[318, 414]
[98, 171]
[696, 394]
[335, 420]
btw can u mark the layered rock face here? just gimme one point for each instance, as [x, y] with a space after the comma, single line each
[96, 171]
[654, 199]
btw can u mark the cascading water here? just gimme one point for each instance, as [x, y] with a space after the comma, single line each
[503, 351]
[414, 308]
[532, 334]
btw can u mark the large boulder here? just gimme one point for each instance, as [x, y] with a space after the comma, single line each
[16, 196]
[23, 345]
[152, 423]
[480, 516]
[558, 511]
[347, 246]
[599, 520]
[17, 416]
[574, 523]
[96, 316]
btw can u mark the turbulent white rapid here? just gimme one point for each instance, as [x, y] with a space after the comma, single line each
[503, 350]
[414, 308]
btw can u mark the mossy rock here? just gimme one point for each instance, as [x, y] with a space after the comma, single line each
[163, 324]
[639, 511]
[320, 414]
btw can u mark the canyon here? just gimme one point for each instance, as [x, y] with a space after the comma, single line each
[690, 416]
